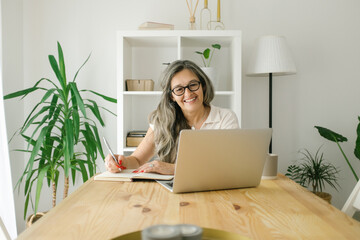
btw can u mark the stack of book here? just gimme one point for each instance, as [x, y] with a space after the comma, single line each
[156, 26]
[134, 138]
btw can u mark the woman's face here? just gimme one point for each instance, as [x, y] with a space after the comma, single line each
[190, 101]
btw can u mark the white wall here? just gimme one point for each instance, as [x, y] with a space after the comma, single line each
[7, 207]
[323, 35]
[12, 32]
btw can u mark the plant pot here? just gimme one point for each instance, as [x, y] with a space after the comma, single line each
[212, 74]
[326, 196]
[33, 218]
[271, 167]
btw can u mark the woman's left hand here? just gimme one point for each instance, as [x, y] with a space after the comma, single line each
[157, 167]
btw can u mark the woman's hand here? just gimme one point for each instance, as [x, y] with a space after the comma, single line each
[157, 167]
[110, 164]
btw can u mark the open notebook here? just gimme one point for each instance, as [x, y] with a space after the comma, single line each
[128, 175]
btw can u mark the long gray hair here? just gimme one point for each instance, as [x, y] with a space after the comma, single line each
[168, 118]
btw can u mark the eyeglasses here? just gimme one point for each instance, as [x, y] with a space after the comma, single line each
[192, 86]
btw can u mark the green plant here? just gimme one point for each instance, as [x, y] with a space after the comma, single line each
[335, 137]
[59, 133]
[207, 54]
[314, 171]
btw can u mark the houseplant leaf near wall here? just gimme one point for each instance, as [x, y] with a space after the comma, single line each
[312, 170]
[59, 132]
[338, 138]
[206, 57]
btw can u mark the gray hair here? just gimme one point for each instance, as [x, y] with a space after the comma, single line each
[168, 118]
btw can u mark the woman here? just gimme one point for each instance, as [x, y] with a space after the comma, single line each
[185, 104]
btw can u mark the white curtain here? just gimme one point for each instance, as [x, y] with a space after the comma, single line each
[7, 208]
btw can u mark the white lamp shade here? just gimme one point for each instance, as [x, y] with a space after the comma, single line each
[271, 55]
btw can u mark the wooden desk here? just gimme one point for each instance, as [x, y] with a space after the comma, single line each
[277, 209]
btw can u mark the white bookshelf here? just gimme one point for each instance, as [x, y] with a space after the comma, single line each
[141, 54]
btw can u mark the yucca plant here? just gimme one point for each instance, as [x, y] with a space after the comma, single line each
[313, 171]
[60, 133]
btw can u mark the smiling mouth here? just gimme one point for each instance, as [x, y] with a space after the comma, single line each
[190, 100]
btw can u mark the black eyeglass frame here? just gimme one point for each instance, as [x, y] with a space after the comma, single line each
[187, 87]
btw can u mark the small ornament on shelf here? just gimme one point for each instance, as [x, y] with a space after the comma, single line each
[218, 24]
[192, 11]
[205, 14]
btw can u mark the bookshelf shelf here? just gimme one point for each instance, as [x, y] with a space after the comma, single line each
[141, 55]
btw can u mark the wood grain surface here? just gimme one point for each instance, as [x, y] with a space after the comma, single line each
[277, 209]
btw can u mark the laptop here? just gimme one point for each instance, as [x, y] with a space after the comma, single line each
[219, 159]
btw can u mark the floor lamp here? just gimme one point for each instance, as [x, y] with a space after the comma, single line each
[271, 57]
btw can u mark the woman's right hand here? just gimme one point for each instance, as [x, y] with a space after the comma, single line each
[111, 165]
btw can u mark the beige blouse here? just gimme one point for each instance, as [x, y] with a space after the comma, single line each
[218, 118]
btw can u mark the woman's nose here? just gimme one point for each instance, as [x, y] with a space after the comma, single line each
[187, 91]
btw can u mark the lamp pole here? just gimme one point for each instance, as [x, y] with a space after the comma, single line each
[270, 109]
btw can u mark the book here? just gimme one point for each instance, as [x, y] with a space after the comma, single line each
[133, 141]
[156, 26]
[136, 134]
[134, 138]
[127, 175]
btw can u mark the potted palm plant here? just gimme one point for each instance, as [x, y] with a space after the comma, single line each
[313, 171]
[61, 133]
[206, 57]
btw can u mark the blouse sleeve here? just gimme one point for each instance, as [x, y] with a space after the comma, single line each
[229, 120]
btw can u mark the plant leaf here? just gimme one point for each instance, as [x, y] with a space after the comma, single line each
[217, 46]
[56, 70]
[26, 205]
[98, 142]
[44, 109]
[110, 99]
[206, 53]
[53, 105]
[61, 63]
[357, 142]
[69, 145]
[95, 110]
[79, 101]
[20, 93]
[330, 135]
[83, 170]
[76, 122]
[73, 175]
[81, 67]
[39, 184]
[35, 150]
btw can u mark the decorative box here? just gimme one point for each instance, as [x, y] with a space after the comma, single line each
[139, 85]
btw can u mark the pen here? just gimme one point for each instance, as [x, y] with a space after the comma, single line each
[111, 152]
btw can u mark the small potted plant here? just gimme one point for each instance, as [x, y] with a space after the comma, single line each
[315, 172]
[206, 57]
[207, 54]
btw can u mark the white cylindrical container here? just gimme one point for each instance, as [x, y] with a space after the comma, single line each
[271, 167]
[212, 74]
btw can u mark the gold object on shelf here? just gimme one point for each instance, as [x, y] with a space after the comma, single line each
[205, 11]
[218, 24]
